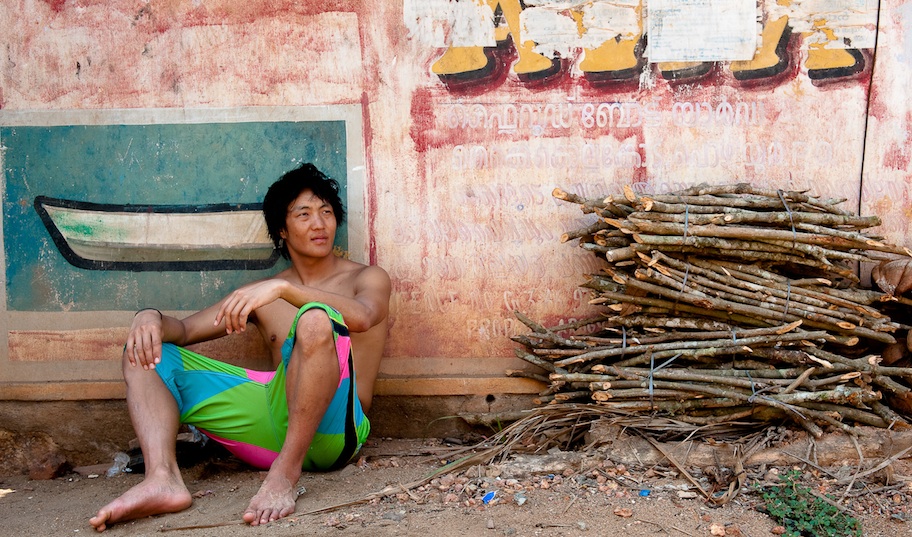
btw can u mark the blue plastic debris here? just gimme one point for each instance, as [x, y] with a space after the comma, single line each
[489, 496]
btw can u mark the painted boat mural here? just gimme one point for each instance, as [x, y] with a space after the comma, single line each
[136, 237]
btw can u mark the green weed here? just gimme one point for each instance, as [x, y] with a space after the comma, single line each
[803, 514]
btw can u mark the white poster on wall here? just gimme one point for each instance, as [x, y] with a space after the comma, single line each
[701, 30]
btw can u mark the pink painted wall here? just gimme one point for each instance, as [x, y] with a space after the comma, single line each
[463, 144]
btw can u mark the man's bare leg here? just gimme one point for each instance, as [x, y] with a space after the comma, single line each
[312, 377]
[154, 413]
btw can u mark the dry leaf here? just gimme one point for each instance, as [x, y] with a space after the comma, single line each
[717, 529]
[623, 512]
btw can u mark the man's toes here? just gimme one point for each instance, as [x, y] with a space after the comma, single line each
[98, 521]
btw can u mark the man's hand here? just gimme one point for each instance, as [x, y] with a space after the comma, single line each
[893, 277]
[144, 343]
[237, 307]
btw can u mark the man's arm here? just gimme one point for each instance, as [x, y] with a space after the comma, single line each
[151, 328]
[368, 306]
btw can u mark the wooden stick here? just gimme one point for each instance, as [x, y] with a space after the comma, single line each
[534, 360]
[768, 279]
[749, 283]
[747, 188]
[588, 230]
[677, 465]
[731, 215]
[854, 414]
[684, 345]
[770, 299]
[636, 340]
[688, 323]
[674, 279]
[390, 490]
[725, 305]
[673, 306]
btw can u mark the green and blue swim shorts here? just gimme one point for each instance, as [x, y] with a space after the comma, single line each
[247, 410]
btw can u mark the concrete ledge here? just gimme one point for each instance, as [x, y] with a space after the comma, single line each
[62, 391]
[432, 386]
[91, 431]
[405, 386]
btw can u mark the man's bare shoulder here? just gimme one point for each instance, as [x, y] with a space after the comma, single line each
[375, 277]
[358, 272]
[343, 276]
[372, 271]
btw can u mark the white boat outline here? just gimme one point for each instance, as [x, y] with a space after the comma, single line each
[133, 237]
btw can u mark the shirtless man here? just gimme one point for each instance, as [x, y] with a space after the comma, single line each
[309, 413]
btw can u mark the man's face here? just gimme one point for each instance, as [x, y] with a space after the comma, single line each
[310, 226]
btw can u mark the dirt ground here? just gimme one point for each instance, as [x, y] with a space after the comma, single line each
[479, 500]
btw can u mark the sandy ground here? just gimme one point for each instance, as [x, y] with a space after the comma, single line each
[605, 501]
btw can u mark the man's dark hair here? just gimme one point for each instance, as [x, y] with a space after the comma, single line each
[287, 189]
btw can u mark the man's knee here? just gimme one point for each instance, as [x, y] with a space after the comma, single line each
[313, 329]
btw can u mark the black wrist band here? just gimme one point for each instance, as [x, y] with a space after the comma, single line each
[149, 309]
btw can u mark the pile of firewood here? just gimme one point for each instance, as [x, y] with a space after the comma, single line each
[728, 304]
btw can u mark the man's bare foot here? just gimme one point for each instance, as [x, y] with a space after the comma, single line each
[153, 496]
[275, 500]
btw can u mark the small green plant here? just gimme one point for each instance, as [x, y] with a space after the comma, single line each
[803, 514]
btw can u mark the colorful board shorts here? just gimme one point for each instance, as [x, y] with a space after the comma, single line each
[247, 411]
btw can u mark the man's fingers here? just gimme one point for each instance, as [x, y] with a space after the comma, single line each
[130, 350]
[241, 321]
[219, 315]
[156, 347]
[146, 350]
[226, 313]
[136, 353]
[141, 355]
[226, 310]
[144, 343]
[236, 315]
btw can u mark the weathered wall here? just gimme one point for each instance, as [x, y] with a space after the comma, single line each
[457, 129]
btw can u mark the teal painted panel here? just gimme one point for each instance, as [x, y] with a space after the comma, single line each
[159, 167]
